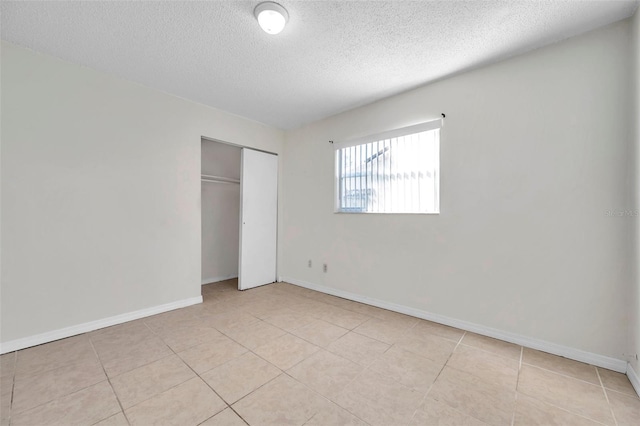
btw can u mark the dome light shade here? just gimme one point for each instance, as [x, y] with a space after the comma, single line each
[271, 16]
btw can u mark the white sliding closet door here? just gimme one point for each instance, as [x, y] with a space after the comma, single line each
[258, 218]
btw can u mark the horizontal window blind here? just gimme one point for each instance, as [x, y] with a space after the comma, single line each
[391, 175]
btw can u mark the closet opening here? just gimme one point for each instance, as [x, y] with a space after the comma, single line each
[238, 216]
[220, 212]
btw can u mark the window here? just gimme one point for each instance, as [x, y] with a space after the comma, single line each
[391, 172]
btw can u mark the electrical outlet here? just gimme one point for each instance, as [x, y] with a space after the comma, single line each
[309, 264]
[324, 267]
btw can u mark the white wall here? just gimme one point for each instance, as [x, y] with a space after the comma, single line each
[634, 322]
[100, 193]
[220, 212]
[533, 155]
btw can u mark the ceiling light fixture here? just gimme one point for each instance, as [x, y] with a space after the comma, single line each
[271, 16]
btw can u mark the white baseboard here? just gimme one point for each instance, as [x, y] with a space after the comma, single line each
[217, 279]
[609, 363]
[50, 336]
[633, 378]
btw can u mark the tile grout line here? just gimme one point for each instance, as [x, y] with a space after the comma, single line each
[567, 376]
[237, 414]
[604, 390]
[488, 351]
[173, 353]
[108, 381]
[565, 409]
[307, 422]
[426, 395]
[424, 398]
[13, 385]
[522, 363]
[199, 376]
[206, 383]
[75, 363]
[259, 387]
[458, 344]
[346, 309]
[337, 355]
[452, 352]
[194, 372]
[250, 350]
[403, 333]
[513, 417]
[224, 363]
[327, 398]
[66, 365]
[255, 353]
[322, 347]
[293, 335]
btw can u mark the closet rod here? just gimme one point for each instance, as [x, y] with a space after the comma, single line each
[218, 179]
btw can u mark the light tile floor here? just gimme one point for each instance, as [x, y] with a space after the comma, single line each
[284, 355]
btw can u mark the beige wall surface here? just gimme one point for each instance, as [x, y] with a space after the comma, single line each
[533, 173]
[100, 193]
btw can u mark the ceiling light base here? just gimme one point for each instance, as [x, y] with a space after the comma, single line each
[271, 16]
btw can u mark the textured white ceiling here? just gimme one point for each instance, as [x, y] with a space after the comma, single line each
[331, 57]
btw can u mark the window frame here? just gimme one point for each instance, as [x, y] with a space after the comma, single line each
[425, 126]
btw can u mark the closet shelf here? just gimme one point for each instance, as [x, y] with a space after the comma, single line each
[218, 179]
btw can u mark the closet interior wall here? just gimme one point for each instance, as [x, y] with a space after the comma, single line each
[220, 210]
